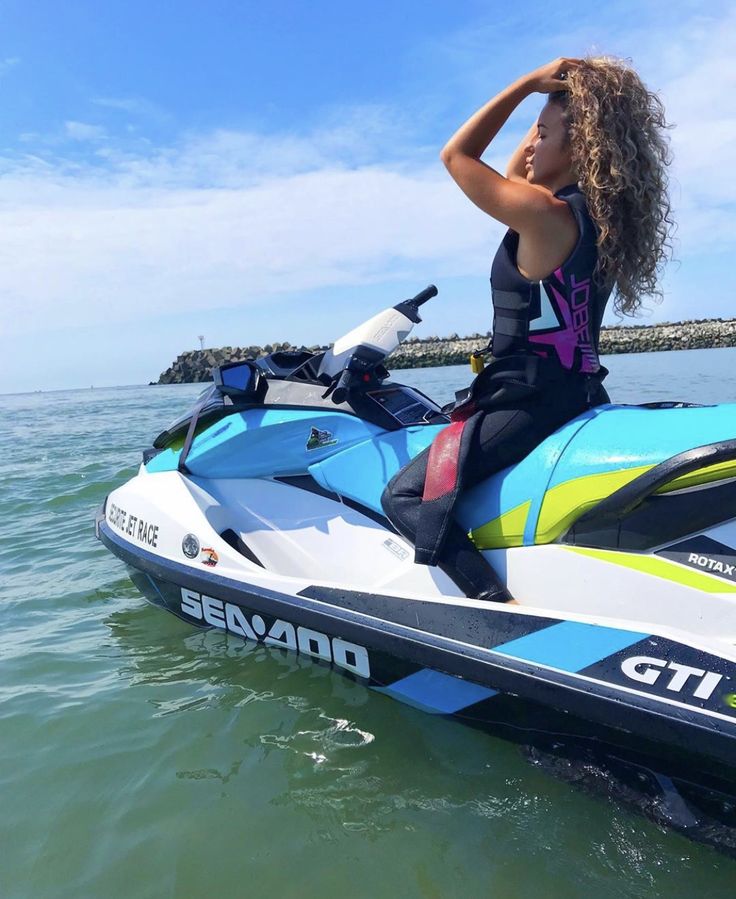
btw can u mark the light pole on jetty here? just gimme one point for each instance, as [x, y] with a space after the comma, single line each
[201, 341]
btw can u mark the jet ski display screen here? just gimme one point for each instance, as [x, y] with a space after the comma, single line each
[406, 405]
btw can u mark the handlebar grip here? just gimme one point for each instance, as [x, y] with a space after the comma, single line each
[344, 382]
[424, 295]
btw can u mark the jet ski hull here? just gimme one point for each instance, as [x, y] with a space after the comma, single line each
[259, 512]
[559, 686]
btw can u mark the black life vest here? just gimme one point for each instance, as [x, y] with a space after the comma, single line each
[558, 318]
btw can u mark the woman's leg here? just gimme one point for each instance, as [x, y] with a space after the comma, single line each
[505, 436]
[460, 560]
[402, 497]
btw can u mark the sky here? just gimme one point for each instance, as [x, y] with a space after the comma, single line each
[257, 172]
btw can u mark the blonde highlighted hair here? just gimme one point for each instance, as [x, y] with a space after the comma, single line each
[617, 132]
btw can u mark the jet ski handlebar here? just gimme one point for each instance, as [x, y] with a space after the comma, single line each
[410, 308]
[424, 295]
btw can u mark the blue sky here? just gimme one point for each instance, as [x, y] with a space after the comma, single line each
[253, 174]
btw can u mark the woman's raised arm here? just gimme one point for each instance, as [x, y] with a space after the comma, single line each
[515, 203]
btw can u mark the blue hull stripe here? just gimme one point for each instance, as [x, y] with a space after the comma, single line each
[436, 692]
[570, 645]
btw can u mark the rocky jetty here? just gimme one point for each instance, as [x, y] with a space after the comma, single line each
[195, 365]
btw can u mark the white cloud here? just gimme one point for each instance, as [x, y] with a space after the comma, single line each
[10, 62]
[87, 248]
[83, 131]
[230, 218]
[698, 89]
[132, 105]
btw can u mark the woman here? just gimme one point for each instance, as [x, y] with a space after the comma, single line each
[585, 201]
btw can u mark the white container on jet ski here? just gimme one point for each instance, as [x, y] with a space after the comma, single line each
[384, 333]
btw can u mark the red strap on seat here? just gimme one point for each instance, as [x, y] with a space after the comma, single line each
[442, 464]
[444, 455]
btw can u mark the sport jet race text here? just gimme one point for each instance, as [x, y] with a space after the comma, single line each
[132, 525]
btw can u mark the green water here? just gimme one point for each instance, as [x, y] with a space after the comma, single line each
[142, 758]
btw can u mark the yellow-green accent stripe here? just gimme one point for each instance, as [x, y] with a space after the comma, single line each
[661, 568]
[566, 502]
[718, 472]
[506, 530]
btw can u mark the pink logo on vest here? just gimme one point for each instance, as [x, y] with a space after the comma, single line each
[575, 332]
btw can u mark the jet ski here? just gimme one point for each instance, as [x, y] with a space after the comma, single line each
[258, 513]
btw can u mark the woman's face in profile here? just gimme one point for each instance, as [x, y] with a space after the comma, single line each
[548, 156]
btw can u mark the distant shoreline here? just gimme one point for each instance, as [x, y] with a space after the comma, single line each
[193, 366]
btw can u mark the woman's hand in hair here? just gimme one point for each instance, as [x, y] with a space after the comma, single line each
[552, 76]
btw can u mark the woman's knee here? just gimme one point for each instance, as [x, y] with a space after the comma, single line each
[402, 496]
[387, 499]
[401, 505]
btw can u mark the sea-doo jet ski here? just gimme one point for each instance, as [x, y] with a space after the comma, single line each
[259, 513]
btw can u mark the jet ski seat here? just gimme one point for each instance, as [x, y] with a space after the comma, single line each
[539, 498]
[586, 461]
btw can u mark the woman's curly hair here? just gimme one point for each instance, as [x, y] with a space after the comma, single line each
[620, 152]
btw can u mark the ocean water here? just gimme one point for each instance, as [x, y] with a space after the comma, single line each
[140, 757]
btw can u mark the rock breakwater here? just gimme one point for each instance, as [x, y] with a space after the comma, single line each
[193, 366]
